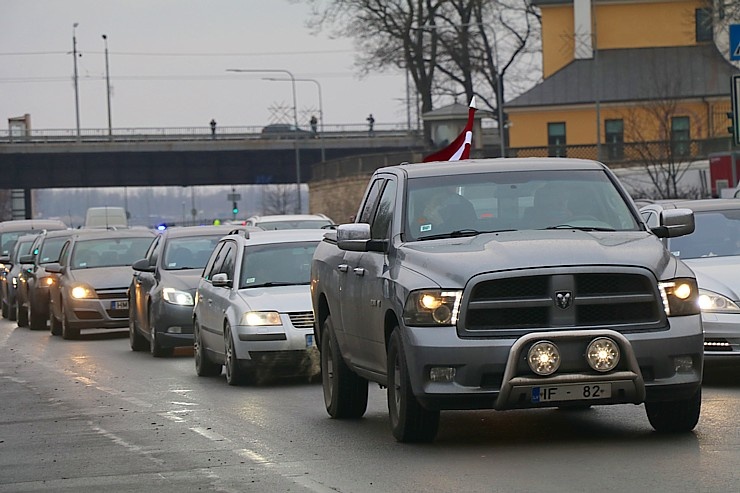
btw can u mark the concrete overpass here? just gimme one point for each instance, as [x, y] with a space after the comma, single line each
[154, 160]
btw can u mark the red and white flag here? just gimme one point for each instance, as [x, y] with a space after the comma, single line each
[460, 147]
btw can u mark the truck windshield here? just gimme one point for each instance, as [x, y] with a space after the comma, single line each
[516, 200]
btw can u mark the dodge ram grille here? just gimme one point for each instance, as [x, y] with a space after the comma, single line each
[623, 301]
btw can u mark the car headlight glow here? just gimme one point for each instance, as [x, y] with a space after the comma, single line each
[543, 358]
[261, 318]
[177, 297]
[432, 307]
[680, 296]
[715, 302]
[47, 281]
[602, 354]
[83, 291]
[14, 280]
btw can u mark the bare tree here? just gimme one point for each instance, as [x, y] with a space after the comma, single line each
[658, 133]
[388, 34]
[278, 199]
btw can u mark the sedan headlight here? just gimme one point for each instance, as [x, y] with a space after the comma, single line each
[680, 297]
[83, 291]
[261, 318]
[715, 302]
[177, 297]
[432, 307]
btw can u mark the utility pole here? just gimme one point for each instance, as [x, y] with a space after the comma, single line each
[107, 86]
[77, 90]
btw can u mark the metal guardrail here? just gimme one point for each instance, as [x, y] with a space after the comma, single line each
[96, 135]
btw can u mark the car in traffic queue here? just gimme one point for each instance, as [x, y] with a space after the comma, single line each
[253, 307]
[712, 251]
[32, 304]
[163, 287]
[290, 221]
[10, 231]
[11, 273]
[94, 274]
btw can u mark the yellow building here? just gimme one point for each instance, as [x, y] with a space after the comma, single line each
[622, 78]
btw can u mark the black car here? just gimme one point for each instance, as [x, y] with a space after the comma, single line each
[10, 273]
[163, 288]
[32, 306]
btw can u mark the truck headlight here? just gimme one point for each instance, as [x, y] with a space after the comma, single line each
[83, 291]
[261, 318]
[715, 302]
[680, 297]
[177, 297]
[432, 307]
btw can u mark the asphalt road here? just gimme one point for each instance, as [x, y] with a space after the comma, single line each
[91, 415]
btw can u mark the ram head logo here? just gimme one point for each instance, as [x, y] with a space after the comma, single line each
[563, 299]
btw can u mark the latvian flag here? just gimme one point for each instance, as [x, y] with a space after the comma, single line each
[460, 147]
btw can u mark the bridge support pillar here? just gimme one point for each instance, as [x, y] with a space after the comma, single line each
[20, 203]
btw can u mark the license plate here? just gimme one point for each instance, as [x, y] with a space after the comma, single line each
[571, 392]
[119, 305]
[309, 340]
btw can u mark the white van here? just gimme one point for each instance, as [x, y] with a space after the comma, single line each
[105, 217]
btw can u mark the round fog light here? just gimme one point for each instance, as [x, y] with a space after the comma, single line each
[602, 354]
[543, 358]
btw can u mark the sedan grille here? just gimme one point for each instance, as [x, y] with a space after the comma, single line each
[301, 320]
[501, 305]
[111, 294]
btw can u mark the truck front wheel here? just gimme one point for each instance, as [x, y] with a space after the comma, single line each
[674, 416]
[345, 392]
[410, 422]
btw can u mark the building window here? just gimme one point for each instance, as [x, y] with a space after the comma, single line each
[704, 31]
[614, 130]
[556, 139]
[680, 136]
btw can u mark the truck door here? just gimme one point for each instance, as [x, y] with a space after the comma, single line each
[350, 283]
[370, 273]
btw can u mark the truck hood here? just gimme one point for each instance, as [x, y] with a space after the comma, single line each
[104, 277]
[718, 274]
[284, 299]
[451, 262]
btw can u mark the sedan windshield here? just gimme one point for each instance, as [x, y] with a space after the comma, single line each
[50, 250]
[717, 234]
[189, 252]
[463, 205]
[109, 252]
[277, 264]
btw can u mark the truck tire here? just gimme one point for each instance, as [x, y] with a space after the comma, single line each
[410, 422]
[674, 416]
[204, 367]
[345, 392]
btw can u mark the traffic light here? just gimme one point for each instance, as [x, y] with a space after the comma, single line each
[234, 208]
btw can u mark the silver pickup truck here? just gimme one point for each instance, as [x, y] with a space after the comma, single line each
[505, 284]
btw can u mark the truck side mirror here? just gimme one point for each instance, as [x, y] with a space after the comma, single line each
[675, 222]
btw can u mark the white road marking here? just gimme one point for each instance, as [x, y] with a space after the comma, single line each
[211, 435]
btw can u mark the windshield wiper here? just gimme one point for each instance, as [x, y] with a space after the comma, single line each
[462, 233]
[273, 283]
[580, 228]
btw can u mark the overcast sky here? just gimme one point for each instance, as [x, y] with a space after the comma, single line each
[168, 64]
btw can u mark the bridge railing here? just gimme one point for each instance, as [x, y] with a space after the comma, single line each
[334, 131]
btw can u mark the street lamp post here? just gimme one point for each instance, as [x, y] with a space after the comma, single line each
[107, 86]
[295, 123]
[321, 110]
[77, 91]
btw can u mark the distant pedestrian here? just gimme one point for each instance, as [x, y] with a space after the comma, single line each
[314, 125]
[213, 128]
[370, 125]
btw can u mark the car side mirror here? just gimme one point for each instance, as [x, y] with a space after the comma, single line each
[675, 222]
[54, 268]
[4, 259]
[221, 280]
[27, 259]
[142, 265]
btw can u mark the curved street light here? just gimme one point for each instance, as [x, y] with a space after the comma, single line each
[295, 123]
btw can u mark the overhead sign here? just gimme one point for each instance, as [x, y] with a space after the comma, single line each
[734, 41]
